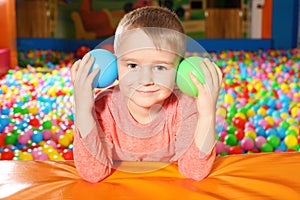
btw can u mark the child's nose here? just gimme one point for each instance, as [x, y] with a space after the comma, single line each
[146, 76]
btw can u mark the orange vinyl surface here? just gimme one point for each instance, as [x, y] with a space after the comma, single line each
[251, 176]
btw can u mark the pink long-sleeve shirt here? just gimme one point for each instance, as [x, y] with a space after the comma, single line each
[169, 137]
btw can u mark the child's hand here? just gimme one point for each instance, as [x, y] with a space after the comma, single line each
[208, 93]
[82, 82]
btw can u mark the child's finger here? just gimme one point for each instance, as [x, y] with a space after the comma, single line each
[213, 72]
[92, 76]
[74, 70]
[84, 67]
[196, 82]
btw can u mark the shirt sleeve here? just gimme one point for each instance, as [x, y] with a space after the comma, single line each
[192, 166]
[93, 154]
[190, 163]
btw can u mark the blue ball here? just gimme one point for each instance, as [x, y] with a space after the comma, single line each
[37, 137]
[107, 62]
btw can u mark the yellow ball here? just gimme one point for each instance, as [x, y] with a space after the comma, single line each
[26, 156]
[290, 140]
[262, 112]
[294, 111]
[295, 128]
[270, 120]
[251, 134]
[222, 112]
[229, 99]
[284, 115]
[56, 157]
[240, 115]
[64, 140]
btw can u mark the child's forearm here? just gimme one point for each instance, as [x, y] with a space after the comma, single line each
[88, 164]
[84, 122]
[205, 135]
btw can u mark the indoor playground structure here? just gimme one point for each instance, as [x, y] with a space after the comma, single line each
[257, 122]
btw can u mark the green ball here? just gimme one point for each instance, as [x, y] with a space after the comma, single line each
[47, 124]
[266, 148]
[183, 81]
[11, 138]
[230, 140]
[273, 140]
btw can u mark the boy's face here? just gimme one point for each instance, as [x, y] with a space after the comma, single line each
[146, 75]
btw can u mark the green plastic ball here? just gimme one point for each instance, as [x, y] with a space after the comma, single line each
[230, 140]
[266, 148]
[183, 81]
[273, 140]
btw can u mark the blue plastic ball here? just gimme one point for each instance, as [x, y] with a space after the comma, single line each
[107, 62]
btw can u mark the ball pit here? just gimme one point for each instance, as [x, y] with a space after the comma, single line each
[258, 109]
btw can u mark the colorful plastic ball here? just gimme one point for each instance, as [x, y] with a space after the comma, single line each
[266, 148]
[259, 141]
[37, 137]
[290, 140]
[67, 154]
[221, 111]
[26, 156]
[47, 134]
[47, 124]
[291, 132]
[107, 62]
[251, 134]
[222, 135]
[282, 146]
[235, 149]
[273, 140]
[7, 154]
[220, 147]
[239, 134]
[24, 138]
[108, 47]
[81, 51]
[11, 138]
[230, 140]
[238, 122]
[183, 80]
[247, 144]
[2, 140]
[229, 99]
[64, 140]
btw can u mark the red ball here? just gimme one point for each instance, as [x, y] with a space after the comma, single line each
[239, 134]
[236, 149]
[238, 122]
[81, 51]
[108, 47]
[34, 122]
[2, 140]
[67, 154]
[7, 154]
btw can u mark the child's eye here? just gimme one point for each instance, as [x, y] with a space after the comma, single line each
[160, 68]
[132, 66]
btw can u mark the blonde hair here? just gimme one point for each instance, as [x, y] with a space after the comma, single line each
[160, 24]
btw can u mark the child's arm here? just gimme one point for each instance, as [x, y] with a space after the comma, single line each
[198, 160]
[91, 156]
[89, 148]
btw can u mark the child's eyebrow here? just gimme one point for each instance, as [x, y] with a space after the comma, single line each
[154, 61]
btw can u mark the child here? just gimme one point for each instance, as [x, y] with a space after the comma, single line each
[145, 117]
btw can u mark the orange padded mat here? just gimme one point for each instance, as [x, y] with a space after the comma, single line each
[252, 176]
